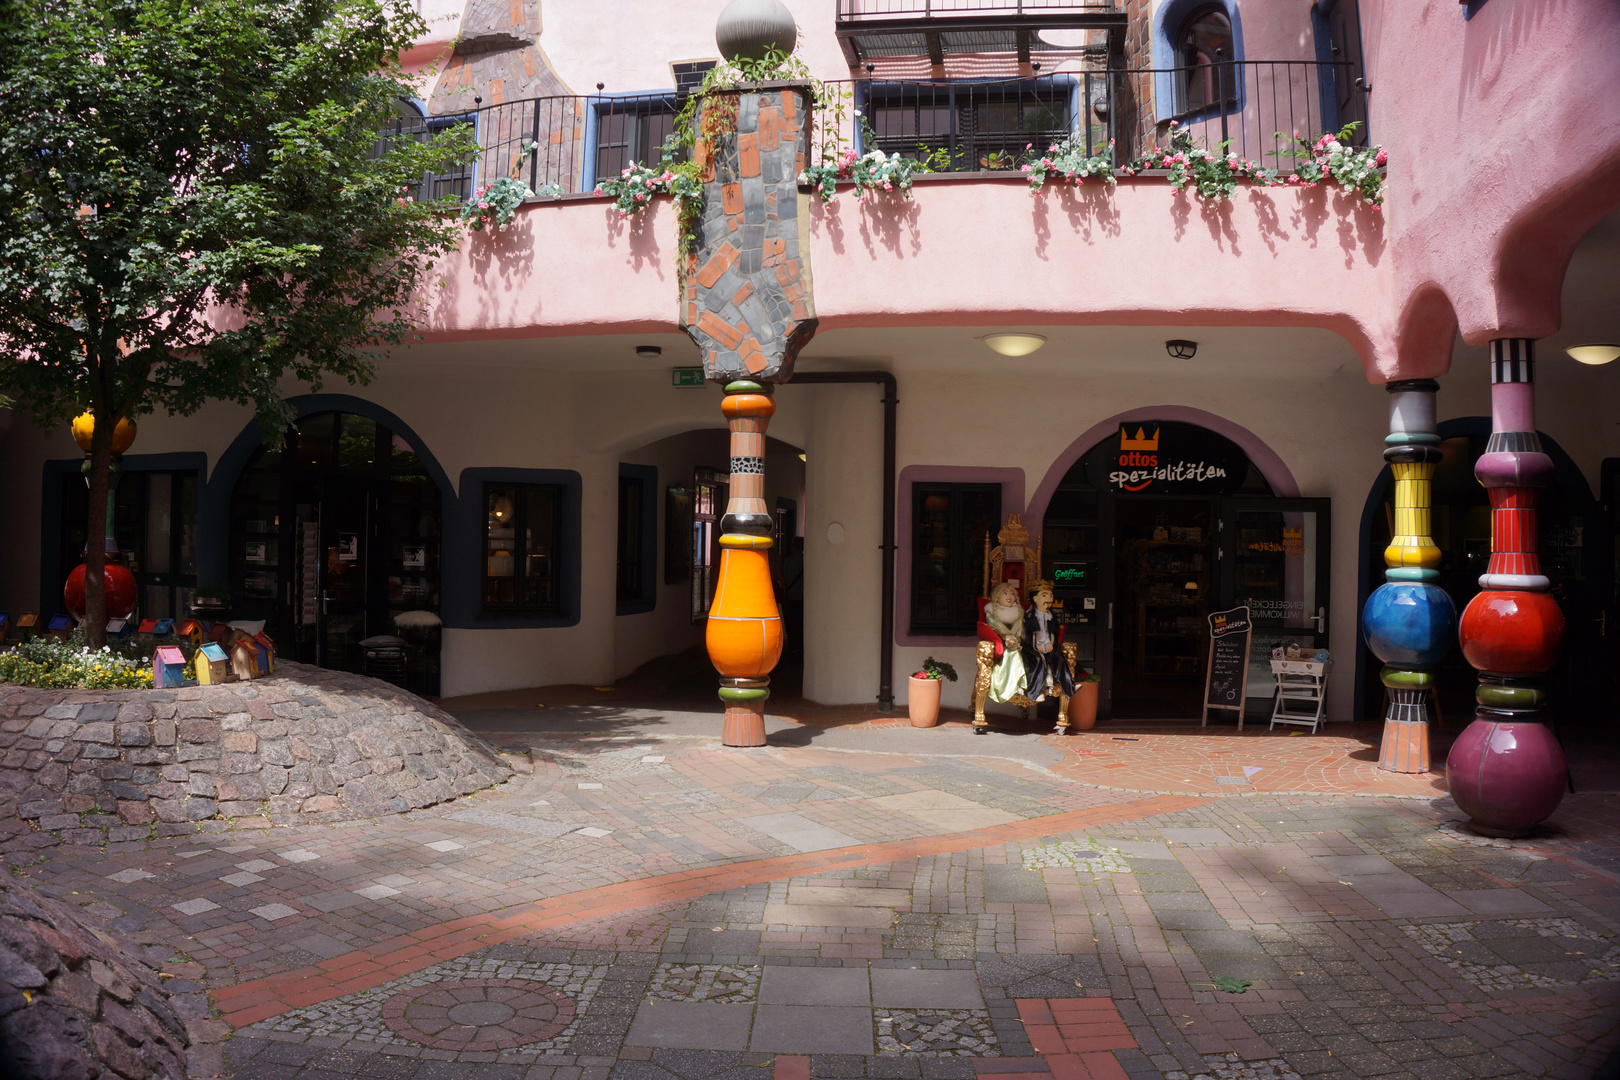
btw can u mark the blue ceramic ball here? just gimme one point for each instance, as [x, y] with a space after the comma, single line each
[1409, 623]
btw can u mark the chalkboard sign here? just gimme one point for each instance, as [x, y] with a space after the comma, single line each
[1226, 685]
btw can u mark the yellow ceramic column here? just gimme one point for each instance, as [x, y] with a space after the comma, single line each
[744, 631]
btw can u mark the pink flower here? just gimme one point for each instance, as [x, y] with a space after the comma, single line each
[1023, 168]
[483, 206]
[1029, 146]
[1381, 157]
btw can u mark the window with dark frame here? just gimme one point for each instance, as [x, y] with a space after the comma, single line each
[968, 126]
[632, 132]
[632, 584]
[949, 523]
[522, 573]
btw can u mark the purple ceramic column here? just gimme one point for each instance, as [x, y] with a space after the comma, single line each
[1507, 771]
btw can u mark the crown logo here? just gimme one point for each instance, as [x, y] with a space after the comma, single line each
[1141, 442]
[1293, 534]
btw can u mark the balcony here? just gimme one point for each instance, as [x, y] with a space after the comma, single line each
[956, 125]
[873, 32]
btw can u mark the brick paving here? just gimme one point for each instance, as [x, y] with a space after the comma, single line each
[636, 907]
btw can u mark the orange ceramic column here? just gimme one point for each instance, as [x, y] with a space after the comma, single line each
[744, 632]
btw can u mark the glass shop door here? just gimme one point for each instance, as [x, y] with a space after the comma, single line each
[1273, 555]
[349, 602]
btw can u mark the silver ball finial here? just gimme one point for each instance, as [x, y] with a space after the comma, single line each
[748, 28]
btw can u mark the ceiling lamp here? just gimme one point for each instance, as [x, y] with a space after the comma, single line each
[1594, 353]
[1181, 349]
[1014, 344]
[649, 350]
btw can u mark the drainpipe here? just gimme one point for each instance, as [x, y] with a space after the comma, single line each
[885, 698]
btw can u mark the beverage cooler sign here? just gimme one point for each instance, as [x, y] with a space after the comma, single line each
[1164, 457]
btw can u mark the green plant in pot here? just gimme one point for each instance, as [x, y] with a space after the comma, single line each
[923, 697]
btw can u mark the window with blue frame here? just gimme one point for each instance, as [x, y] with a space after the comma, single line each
[1204, 53]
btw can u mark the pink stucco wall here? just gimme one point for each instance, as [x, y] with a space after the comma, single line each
[1132, 255]
[1504, 139]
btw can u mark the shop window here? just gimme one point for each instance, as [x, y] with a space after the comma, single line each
[949, 524]
[155, 524]
[1205, 53]
[522, 545]
[637, 554]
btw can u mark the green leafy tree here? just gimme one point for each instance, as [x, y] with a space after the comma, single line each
[195, 204]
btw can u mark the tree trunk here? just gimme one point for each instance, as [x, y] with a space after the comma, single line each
[95, 547]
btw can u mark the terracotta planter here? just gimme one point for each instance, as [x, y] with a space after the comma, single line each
[1083, 707]
[923, 701]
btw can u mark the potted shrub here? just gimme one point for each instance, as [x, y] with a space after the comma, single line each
[1083, 706]
[923, 699]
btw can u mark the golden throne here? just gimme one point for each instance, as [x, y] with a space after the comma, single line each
[1007, 561]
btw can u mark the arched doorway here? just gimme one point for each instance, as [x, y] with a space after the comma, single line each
[335, 538]
[1156, 525]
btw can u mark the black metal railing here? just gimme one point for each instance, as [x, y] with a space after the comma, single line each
[954, 125]
[854, 10]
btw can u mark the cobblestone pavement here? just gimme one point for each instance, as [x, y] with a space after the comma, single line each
[637, 907]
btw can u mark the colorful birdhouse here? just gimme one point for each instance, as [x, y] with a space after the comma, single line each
[220, 633]
[27, 626]
[59, 627]
[244, 664]
[119, 628]
[168, 667]
[191, 630]
[211, 665]
[266, 650]
[147, 627]
[164, 628]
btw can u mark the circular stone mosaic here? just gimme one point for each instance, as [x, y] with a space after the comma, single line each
[478, 1014]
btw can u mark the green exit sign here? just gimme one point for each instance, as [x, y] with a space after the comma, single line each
[686, 376]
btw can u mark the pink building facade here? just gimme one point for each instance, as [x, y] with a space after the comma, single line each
[529, 494]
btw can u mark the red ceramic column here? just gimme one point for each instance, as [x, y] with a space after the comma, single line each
[1507, 770]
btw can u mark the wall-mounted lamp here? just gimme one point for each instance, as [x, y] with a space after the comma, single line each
[1594, 353]
[1181, 349]
[1014, 344]
[649, 351]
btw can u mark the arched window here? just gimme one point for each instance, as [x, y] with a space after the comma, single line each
[1204, 51]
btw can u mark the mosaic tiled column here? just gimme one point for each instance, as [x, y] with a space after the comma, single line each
[747, 303]
[1409, 619]
[1507, 771]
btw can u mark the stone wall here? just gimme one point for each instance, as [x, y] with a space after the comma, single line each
[303, 745]
[76, 1003]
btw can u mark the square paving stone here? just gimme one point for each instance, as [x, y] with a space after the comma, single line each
[1196, 836]
[334, 900]
[690, 1026]
[812, 1029]
[1013, 885]
[906, 988]
[800, 832]
[814, 986]
[1223, 942]
[1138, 849]
[1189, 919]
[272, 912]
[871, 918]
[1345, 865]
[1496, 901]
[195, 907]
